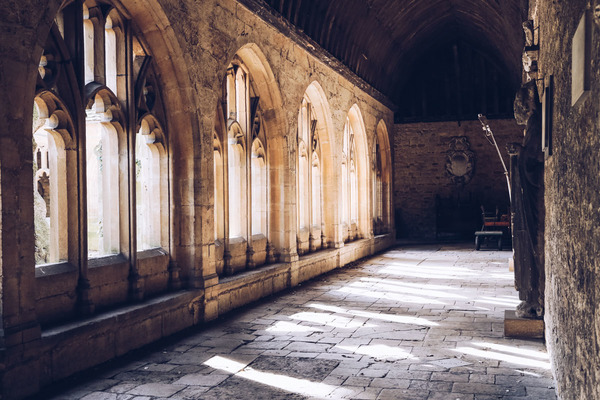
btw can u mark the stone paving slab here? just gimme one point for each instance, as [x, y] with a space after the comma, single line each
[418, 322]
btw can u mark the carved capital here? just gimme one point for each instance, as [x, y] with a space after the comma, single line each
[513, 149]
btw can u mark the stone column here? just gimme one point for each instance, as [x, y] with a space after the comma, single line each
[283, 221]
[20, 332]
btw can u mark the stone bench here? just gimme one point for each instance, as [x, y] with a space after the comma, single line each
[480, 236]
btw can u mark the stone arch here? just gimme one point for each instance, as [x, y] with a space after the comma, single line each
[363, 168]
[59, 171]
[50, 106]
[271, 104]
[151, 175]
[330, 190]
[156, 33]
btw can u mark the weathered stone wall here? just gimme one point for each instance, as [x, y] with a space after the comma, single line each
[572, 180]
[419, 172]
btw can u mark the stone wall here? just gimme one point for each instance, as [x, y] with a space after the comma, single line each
[420, 153]
[572, 180]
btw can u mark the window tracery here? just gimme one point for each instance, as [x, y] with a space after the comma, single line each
[119, 134]
[245, 225]
[309, 198]
[52, 138]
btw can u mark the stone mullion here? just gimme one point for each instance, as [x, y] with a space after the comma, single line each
[136, 290]
[98, 21]
[348, 193]
[248, 194]
[226, 252]
[338, 236]
[308, 171]
[321, 203]
[74, 18]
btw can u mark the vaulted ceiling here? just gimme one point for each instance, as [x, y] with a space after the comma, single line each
[382, 41]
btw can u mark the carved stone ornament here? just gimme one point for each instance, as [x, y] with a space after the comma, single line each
[460, 161]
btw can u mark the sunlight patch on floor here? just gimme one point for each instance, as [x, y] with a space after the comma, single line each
[402, 319]
[331, 320]
[284, 326]
[395, 297]
[287, 383]
[494, 355]
[513, 349]
[379, 351]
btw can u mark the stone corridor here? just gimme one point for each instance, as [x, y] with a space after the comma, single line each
[416, 322]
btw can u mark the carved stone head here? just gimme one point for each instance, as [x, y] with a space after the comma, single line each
[526, 102]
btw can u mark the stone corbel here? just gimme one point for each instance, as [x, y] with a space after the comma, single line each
[271, 253]
[596, 12]
[174, 278]
[250, 264]
[227, 268]
[312, 242]
[324, 243]
[531, 52]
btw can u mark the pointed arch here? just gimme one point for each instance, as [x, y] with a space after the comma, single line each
[54, 174]
[170, 64]
[272, 125]
[329, 190]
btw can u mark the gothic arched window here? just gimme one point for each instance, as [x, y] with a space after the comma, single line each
[246, 201]
[309, 180]
[126, 164]
[52, 138]
[150, 183]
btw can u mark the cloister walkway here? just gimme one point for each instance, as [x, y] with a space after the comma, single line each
[418, 322]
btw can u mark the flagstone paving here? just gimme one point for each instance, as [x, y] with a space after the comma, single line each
[417, 322]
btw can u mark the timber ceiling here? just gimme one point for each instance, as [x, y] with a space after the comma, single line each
[383, 40]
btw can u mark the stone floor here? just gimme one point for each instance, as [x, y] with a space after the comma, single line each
[418, 322]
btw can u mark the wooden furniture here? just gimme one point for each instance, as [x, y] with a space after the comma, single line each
[493, 227]
[489, 236]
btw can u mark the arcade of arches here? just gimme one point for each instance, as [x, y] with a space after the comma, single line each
[164, 162]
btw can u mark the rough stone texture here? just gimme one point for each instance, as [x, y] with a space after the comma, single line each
[421, 322]
[572, 207]
[419, 154]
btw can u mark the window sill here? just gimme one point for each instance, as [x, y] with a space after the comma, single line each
[258, 237]
[151, 253]
[236, 241]
[104, 261]
[47, 270]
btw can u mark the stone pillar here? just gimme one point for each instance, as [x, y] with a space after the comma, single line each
[205, 265]
[282, 198]
[20, 332]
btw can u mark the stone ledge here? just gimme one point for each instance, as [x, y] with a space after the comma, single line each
[115, 332]
[524, 328]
